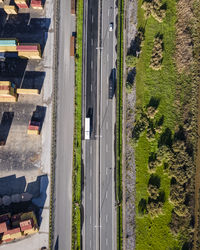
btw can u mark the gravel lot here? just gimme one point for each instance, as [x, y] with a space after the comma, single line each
[25, 159]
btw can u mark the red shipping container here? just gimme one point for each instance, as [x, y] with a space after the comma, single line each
[27, 47]
[22, 6]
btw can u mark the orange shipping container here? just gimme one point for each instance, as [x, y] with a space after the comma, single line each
[73, 7]
[72, 45]
[10, 9]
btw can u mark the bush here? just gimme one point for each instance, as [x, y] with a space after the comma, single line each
[157, 53]
[154, 8]
[131, 61]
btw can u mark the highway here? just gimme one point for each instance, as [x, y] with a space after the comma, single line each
[99, 227]
[65, 129]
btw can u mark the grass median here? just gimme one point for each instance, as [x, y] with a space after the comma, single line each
[119, 109]
[76, 175]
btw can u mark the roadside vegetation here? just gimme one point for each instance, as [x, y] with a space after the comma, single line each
[164, 135]
[76, 175]
[119, 98]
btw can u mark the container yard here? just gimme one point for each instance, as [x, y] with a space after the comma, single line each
[26, 73]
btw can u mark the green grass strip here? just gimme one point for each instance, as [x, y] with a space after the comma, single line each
[119, 95]
[76, 175]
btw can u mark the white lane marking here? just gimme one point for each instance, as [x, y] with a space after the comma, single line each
[92, 42]
[107, 57]
[92, 19]
[91, 64]
[90, 243]
[106, 195]
[106, 148]
[91, 87]
[107, 125]
[90, 196]
[106, 218]
[106, 241]
[90, 172]
[108, 12]
[90, 219]
[106, 171]
[91, 146]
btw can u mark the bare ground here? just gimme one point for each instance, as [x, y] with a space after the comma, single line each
[129, 161]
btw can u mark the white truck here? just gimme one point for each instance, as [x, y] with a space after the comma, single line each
[87, 128]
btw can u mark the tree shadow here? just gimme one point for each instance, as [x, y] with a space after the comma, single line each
[166, 138]
[5, 125]
[154, 180]
[154, 102]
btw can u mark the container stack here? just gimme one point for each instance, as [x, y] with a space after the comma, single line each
[8, 45]
[7, 92]
[21, 4]
[33, 128]
[10, 9]
[36, 4]
[29, 51]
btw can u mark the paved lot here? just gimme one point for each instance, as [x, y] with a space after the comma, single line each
[65, 129]
[25, 159]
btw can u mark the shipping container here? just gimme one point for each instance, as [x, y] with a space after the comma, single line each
[8, 99]
[73, 7]
[10, 9]
[8, 49]
[29, 54]
[72, 46]
[36, 4]
[28, 91]
[8, 42]
[28, 47]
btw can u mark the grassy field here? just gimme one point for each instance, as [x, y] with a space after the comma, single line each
[76, 202]
[154, 232]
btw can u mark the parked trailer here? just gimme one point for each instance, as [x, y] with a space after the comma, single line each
[87, 128]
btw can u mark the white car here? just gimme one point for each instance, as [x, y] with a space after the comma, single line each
[111, 27]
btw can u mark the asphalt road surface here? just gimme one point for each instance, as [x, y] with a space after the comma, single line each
[99, 229]
[65, 123]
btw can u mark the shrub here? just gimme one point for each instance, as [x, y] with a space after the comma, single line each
[157, 55]
[154, 8]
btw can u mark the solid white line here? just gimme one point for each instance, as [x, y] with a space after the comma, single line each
[107, 125]
[90, 243]
[91, 88]
[106, 195]
[90, 219]
[106, 171]
[106, 148]
[107, 57]
[106, 241]
[90, 196]
[108, 12]
[91, 64]
[92, 42]
[106, 218]
[92, 19]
